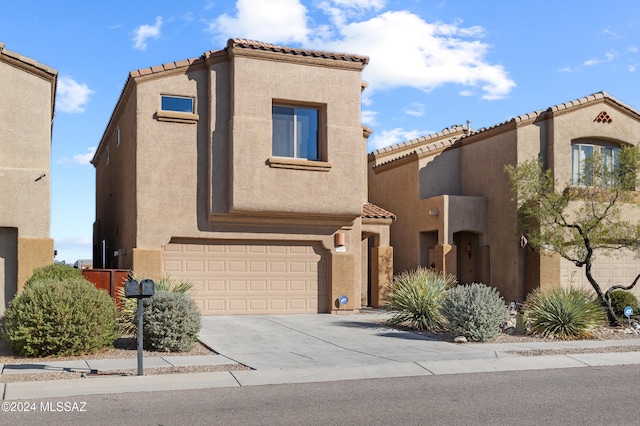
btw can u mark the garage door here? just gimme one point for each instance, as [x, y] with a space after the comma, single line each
[617, 268]
[251, 277]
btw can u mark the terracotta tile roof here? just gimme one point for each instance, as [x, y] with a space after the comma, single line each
[258, 45]
[371, 211]
[250, 44]
[26, 60]
[420, 145]
[432, 142]
[165, 67]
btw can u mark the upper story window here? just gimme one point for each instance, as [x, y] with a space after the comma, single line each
[583, 170]
[296, 132]
[176, 104]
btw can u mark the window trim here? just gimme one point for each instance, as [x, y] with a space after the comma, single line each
[321, 162]
[177, 116]
[163, 97]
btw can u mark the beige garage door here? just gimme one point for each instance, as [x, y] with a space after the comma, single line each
[617, 268]
[251, 277]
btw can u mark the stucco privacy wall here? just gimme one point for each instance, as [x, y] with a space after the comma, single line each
[27, 92]
[207, 181]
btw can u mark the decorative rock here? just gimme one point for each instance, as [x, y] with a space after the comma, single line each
[460, 339]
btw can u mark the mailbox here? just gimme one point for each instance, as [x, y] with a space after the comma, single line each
[142, 289]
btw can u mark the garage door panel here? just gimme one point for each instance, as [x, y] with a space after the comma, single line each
[616, 268]
[250, 277]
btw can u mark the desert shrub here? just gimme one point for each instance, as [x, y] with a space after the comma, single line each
[171, 322]
[620, 299]
[57, 271]
[53, 317]
[416, 296]
[474, 311]
[564, 313]
[127, 312]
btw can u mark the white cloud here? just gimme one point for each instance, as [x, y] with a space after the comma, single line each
[416, 109]
[608, 57]
[632, 49]
[71, 96]
[392, 137]
[369, 118]
[405, 50]
[145, 32]
[632, 68]
[608, 31]
[275, 21]
[341, 10]
[85, 158]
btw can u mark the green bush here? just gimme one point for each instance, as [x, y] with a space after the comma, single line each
[564, 313]
[57, 271]
[474, 311]
[53, 317]
[171, 322]
[127, 312]
[416, 296]
[620, 299]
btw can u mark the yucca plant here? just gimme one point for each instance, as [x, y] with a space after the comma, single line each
[128, 306]
[564, 313]
[415, 297]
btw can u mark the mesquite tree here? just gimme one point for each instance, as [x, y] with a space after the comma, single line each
[597, 213]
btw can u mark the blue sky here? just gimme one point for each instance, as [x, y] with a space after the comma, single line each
[433, 64]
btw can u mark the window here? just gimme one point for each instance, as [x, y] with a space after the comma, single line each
[176, 104]
[296, 132]
[118, 136]
[106, 159]
[583, 171]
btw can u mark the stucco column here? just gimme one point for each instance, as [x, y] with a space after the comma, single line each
[446, 255]
[342, 283]
[381, 274]
[32, 253]
[147, 263]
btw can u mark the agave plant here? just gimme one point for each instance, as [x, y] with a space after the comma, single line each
[128, 306]
[564, 313]
[415, 297]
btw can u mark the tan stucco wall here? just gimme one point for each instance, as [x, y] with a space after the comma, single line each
[25, 148]
[27, 91]
[32, 253]
[396, 189]
[209, 177]
[260, 188]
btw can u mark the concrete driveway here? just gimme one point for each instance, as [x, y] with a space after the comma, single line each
[267, 342]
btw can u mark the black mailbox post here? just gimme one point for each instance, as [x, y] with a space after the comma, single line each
[139, 290]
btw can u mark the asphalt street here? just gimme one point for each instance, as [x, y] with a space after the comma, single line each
[586, 396]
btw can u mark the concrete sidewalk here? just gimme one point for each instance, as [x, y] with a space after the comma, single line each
[309, 348]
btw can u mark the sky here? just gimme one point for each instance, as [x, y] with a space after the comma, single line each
[433, 64]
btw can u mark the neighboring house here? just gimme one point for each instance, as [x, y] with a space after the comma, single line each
[27, 93]
[453, 201]
[244, 171]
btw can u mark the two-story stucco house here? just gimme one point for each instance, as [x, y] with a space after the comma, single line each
[453, 202]
[27, 93]
[244, 171]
